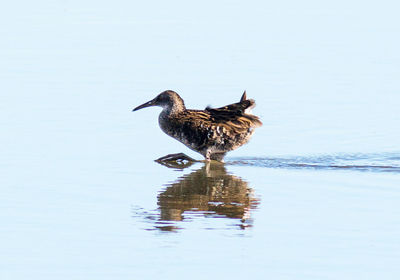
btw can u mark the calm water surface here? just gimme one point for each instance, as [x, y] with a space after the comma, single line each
[314, 195]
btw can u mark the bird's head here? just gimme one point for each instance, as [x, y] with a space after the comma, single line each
[169, 100]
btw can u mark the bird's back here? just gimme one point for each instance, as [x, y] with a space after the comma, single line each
[212, 131]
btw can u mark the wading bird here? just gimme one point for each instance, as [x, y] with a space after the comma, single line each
[210, 132]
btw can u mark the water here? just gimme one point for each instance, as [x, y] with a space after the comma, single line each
[209, 191]
[384, 162]
[314, 195]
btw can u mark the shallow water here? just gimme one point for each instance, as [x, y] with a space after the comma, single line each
[314, 195]
[374, 162]
[209, 191]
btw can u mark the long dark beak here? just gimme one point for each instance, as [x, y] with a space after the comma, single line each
[147, 104]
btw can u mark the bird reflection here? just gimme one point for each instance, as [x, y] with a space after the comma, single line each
[208, 192]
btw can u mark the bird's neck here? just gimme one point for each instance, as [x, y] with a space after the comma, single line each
[176, 108]
[168, 116]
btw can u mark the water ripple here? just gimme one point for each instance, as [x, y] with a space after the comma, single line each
[372, 162]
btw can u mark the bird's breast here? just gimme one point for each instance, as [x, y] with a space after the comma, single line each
[190, 133]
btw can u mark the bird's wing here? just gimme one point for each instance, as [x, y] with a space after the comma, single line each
[239, 107]
[233, 121]
[234, 115]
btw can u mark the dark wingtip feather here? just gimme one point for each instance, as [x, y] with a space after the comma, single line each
[244, 97]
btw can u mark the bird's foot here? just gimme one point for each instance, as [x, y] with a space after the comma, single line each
[176, 157]
[179, 160]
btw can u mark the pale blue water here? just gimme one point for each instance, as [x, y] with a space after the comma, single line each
[314, 195]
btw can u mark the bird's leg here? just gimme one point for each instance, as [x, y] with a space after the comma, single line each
[175, 157]
[207, 156]
[215, 156]
[218, 157]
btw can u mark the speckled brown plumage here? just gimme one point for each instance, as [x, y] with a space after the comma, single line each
[210, 132]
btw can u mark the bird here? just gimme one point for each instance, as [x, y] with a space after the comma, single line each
[212, 132]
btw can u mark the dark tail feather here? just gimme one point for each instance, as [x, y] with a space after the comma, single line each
[244, 97]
